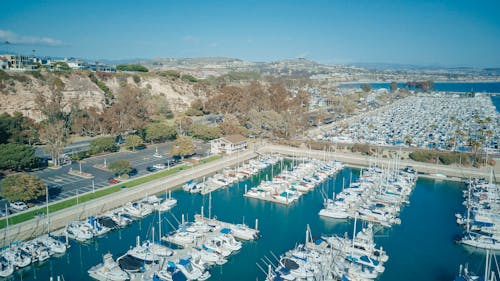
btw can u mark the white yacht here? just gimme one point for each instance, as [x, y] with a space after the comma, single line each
[6, 268]
[108, 270]
[16, 256]
[191, 272]
[137, 209]
[55, 246]
[79, 230]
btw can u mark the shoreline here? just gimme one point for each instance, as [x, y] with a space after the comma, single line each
[404, 81]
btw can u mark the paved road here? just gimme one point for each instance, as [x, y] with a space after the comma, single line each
[62, 185]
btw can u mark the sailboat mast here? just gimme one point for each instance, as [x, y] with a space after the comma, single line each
[210, 205]
[159, 225]
[354, 232]
[468, 211]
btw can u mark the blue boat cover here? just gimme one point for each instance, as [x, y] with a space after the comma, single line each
[225, 231]
[184, 262]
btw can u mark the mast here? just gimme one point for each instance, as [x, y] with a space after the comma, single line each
[210, 205]
[159, 226]
[354, 232]
[468, 211]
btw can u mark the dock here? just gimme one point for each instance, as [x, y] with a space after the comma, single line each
[289, 186]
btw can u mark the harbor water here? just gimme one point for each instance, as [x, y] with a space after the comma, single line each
[421, 248]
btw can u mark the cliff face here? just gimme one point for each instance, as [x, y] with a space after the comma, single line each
[179, 94]
[18, 91]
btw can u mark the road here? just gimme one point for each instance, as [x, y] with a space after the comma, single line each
[62, 185]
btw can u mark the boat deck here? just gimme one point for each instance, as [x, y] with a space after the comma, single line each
[269, 198]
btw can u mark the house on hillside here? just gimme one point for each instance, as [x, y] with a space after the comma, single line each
[228, 144]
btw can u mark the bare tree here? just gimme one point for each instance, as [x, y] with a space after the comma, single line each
[54, 135]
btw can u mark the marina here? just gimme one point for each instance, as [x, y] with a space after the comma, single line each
[437, 199]
[232, 175]
[444, 122]
[377, 197]
[291, 184]
[481, 218]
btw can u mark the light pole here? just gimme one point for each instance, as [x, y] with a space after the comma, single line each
[47, 206]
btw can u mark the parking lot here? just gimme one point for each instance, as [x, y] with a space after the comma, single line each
[61, 184]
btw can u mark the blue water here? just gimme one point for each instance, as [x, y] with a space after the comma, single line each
[463, 87]
[421, 248]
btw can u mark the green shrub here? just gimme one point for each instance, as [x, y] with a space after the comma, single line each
[4, 75]
[189, 78]
[422, 156]
[79, 155]
[37, 74]
[170, 73]
[194, 112]
[131, 67]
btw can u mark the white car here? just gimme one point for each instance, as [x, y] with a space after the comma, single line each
[159, 166]
[18, 206]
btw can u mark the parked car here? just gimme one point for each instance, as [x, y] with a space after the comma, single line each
[113, 181]
[159, 166]
[18, 206]
[151, 169]
[3, 213]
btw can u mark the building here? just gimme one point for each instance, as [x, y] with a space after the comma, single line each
[18, 62]
[4, 64]
[228, 144]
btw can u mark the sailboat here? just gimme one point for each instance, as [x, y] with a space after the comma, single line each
[489, 275]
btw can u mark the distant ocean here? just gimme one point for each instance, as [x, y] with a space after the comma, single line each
[478, 87]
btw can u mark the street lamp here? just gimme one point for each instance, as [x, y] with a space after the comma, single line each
[47, 206]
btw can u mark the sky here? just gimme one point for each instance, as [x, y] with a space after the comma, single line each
[439, 33]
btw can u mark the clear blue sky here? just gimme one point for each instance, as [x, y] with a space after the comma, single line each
[446, 33]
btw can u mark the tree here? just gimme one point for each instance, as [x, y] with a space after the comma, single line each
[17, 157]
[157, 132]
[103, 144]
[55, 137]
[120, 167]
[205, 132]
[16, 128]
[182, 147]
[61, 66]
[133, 141]
[22, 187]
[183, 125]
[232, 126]
[366, 87]
[394, 86]
[129, 112]
[408, 140]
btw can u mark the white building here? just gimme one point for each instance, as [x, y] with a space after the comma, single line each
[228, 144]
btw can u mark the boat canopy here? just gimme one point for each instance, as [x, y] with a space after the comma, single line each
[225, 230]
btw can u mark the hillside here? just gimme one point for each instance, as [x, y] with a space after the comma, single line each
[18, 91]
